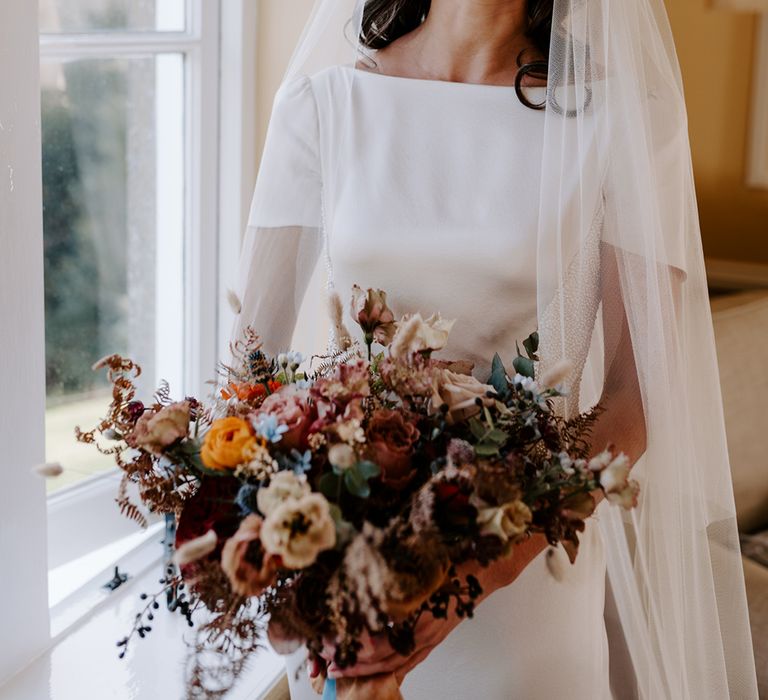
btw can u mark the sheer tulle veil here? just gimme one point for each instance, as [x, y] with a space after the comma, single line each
[616, 193]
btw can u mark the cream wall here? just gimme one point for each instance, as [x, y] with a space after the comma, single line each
[715, 49]
[280, 24]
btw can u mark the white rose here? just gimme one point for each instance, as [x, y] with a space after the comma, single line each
[298, 530]
[507, 521]
[614, 476]
[282, 486]
[600, 461]
[415, 334]
[459, 392]
[627, 496]
[618, 487]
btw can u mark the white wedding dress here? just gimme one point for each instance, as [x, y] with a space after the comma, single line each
[394, 222]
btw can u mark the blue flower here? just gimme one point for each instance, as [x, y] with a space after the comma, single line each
[267, 427]
[246, 498]
[301, 463]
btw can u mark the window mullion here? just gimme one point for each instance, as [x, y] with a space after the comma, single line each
[117, 44]
[201, 293]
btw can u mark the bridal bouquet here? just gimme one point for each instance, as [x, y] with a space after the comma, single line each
[338, 503]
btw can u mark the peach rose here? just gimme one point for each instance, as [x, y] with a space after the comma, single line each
[155, 431]
[228, 443]
[249, 568]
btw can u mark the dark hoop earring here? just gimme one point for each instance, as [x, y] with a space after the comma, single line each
[536, 69]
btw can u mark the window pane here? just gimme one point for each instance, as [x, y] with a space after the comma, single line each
[113, 195]
[112, 15]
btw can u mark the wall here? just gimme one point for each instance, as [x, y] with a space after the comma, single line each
[280, 24]
[715, 48]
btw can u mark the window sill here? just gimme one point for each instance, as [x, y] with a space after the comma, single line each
[76, 589]
[83, 660]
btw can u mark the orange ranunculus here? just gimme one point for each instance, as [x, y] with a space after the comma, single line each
[228, 443]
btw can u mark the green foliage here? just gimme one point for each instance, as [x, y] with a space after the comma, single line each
[83, 134]
[490, 439]
[524, 364]
[498, 378]
[353, 480]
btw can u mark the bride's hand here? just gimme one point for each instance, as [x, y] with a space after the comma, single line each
[377, 655]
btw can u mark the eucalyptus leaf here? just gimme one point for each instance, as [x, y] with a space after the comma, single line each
[356, 484]
[486, 449]
[498, 378]
[531, 345]
[477, 428]
[498, 436]
[368, 469]
[524, 366]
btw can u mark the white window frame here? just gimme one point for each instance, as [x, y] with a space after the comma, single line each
[22, 369]
[219, 45]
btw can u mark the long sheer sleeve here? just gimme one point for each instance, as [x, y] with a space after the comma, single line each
[283, 240]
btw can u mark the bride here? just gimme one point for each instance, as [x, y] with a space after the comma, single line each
[523, 165]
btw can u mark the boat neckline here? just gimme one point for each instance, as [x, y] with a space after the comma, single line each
[442, 82]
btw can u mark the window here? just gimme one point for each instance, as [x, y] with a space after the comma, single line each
[131, 97]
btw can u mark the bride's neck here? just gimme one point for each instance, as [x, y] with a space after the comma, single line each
[472, 41]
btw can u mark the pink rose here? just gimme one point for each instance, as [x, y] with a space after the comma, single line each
[292, 407]
[154, 431]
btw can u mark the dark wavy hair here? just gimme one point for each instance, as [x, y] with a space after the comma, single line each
[387, 20]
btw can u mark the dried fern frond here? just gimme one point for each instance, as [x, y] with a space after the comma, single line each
[577, 431]
[233, 631]
[329, 362]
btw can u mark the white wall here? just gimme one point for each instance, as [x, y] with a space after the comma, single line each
[23, 569]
